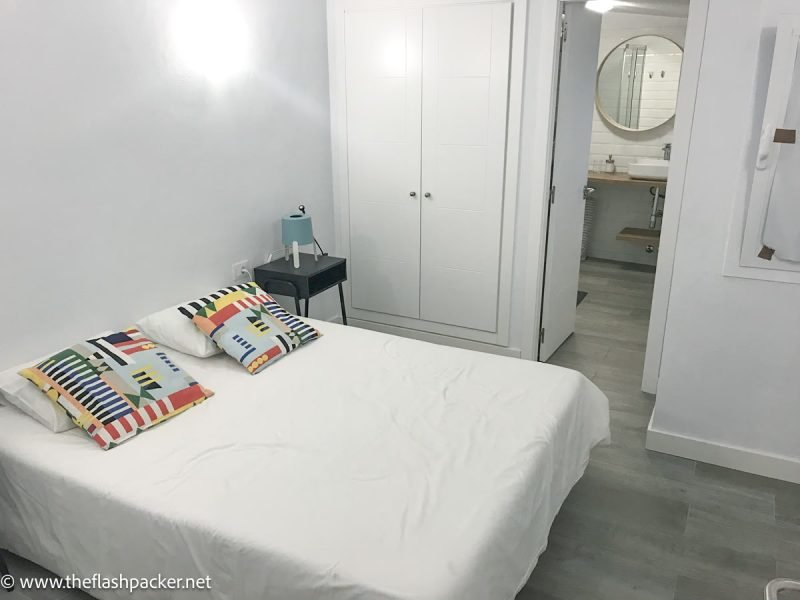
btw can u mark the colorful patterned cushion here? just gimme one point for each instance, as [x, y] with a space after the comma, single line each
[116, 385]
[252, 328]
[173, 326]
[190, 309]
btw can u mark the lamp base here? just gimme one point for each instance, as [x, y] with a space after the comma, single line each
[296, 254]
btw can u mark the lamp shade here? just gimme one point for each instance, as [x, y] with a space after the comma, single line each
[297, 228]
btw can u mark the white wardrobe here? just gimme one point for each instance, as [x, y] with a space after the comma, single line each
[425, 91]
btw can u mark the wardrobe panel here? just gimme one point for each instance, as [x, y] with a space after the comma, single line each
[462, 109]
[463, 257]
[466, 51]
[465, 46]
[379, 106]
[461, 177]
[393, 284]
[383, 82]
[464, 298]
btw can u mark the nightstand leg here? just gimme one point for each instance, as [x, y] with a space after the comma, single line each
[341, 301]
[307, 306]
[297, 306]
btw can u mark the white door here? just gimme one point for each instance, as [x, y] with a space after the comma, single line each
[465, 66]
[383, 72]
[573, 137]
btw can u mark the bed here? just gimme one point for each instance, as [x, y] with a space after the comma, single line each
[362, 466]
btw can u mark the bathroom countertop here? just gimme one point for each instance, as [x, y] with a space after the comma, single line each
[621, 178]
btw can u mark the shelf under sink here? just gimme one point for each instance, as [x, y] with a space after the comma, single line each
[639, 234]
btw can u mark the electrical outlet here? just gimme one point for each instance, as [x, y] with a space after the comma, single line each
[241, 270]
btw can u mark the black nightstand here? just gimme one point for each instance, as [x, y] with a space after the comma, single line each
[311, 278]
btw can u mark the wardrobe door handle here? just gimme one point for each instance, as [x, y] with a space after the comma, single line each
[427, 194]
[413, 194]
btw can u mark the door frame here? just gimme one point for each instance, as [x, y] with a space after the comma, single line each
[690, 76]
[338, 93]
[558, 64]
[543, 57]
[679, 163]
[561, 40]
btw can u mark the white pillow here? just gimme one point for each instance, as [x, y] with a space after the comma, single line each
[169, 327]
[21, 393]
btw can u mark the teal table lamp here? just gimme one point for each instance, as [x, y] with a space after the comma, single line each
[296, 231]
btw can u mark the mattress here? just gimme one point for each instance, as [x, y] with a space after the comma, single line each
[362, 466]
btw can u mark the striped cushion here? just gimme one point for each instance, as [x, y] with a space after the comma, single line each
[190, 309]
[251, 327]
[116, 385]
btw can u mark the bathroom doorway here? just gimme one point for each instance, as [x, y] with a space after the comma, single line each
[617, 98]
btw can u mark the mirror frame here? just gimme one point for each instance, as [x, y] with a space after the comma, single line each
[603, 114]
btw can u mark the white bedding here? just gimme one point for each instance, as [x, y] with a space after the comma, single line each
[362, 466]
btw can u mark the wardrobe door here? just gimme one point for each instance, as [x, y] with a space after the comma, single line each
[383, 73]
[465, 72]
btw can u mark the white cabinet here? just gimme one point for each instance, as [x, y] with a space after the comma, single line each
[427, 95]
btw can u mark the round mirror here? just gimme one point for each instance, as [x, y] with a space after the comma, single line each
[637, 83]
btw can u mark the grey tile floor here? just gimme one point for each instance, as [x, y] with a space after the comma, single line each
[648, 526]
[642, 525]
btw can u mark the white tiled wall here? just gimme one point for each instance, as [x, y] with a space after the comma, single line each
[628, 145]
[662, 71]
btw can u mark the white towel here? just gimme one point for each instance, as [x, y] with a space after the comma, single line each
[782, 222]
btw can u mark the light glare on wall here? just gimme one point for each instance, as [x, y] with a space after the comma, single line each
[211, 38]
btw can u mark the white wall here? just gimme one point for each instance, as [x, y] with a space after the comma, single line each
[628, 145]
[128, 183]
[729, 386]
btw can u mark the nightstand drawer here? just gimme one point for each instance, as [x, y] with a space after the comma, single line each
[282, 287]
[310, 278]
[328, 278]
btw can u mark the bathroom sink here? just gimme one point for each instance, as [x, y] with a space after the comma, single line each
[649, 168]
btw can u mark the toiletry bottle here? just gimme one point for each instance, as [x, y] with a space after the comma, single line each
[611, 166]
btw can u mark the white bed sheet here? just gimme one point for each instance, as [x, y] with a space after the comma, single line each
[362, 466]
